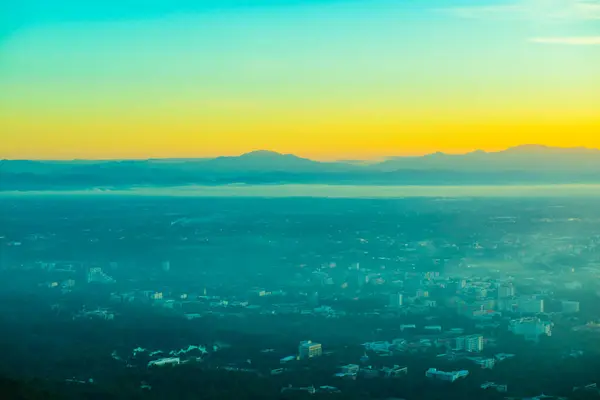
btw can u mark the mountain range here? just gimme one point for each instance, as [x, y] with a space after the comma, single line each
[528, 164]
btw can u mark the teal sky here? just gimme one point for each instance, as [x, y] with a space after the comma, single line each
[98, 73]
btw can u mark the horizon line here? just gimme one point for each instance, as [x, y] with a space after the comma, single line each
[343, 159]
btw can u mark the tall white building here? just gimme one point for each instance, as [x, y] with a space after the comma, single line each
[395, 300]
[308, 349]
[472, 343]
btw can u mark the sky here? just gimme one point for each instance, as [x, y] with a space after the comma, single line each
[326, 79]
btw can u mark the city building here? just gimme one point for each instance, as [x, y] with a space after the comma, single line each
[258, 292]
[369, 372]
[96, 275]
[308, 389]
[308, 349]
[484, 363]
[358, 278]
[319, 277]
[506, 291]
[164, 361]
[287, 359]
[324, 310]
[530, 305]
[530, 328]
[395, 300]
[394, 372]
[472, 343]
[430, 303]
[485, 304]
[433, 373]
[97, 314]
[508, 304]
[479, 292]
[492, 385]
[157, 296]
[433, 328]
[350, 369]
[378, 347]
[69, 283]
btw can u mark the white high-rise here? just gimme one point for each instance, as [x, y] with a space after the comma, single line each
[472, 343]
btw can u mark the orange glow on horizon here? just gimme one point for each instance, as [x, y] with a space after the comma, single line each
[360, 139]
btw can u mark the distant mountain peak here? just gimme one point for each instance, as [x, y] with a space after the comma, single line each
[527, 148]
[261, 153]
[543, 149]
[527, 164]
[269, 155]
[267, 161]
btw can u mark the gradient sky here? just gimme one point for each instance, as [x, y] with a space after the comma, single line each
[319, 78]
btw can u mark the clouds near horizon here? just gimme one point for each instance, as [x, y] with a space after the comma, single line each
[575, 41]
[538, 10]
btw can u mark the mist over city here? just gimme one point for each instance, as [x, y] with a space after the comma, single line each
[158, 296]
[300, 199]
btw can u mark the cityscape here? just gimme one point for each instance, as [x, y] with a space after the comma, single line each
[342, 298]
[300, 200]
